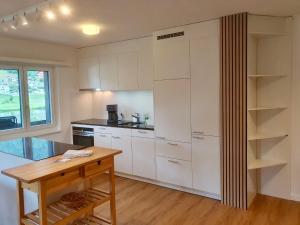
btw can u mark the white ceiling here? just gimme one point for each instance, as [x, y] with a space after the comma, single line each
[126, 19]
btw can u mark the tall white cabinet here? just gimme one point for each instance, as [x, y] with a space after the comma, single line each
[187, 112]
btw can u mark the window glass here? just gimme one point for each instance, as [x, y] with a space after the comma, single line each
[39, 97]
[10, 99]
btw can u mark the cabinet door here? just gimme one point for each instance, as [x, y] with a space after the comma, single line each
[102, 140]
[124, 160]
[206, 164]
[205, 73]
[171, 58]
[172, 110]
[146, 70]
[108, 73]
[89, 77]
[174, 171]
[143, 150]
[128, 71]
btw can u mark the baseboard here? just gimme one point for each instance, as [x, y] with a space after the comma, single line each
[171, 186]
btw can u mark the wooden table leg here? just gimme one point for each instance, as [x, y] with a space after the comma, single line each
[113, 197]
[42, 203]
[20, 199]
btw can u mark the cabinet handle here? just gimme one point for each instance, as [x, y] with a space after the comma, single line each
[62, 174]
[99, 162]
[163, 138]
[200, 138]
[198, 132]
[142, 132]
[102, 128]
[115, 137]
[173, 144]
[102, 135]
[173, 161]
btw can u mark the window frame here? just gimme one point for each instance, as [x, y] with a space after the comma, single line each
[24, 95]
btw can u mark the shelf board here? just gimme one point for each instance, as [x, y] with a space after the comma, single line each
[262, 108]
[266, 136]
[261, 163]
[91, 220]
[265, 76]
[59, 213]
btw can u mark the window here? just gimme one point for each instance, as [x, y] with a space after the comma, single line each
[25, 98]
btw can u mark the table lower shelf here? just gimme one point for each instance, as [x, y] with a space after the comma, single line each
[60, 214]
[91, 220]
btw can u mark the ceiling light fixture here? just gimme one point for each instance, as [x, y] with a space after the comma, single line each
[90, 29]
[50, 15]
[24, 20]
[65, 9]
[14, 23]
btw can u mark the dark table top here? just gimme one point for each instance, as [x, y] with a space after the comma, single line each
[123, 124]
[35, 148]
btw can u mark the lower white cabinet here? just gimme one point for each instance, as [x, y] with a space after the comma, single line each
[206, 164]
[102, 140]
[143, 150]
[175, 150]
[123, 162]
[174, 171]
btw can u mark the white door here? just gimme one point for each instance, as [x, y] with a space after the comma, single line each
[102, 140]
[171, 58]
[89, 74]
[128, 71]
[108, 73]
[205, 83]
[143, 150]
[123, 161]
[172, 110]
[206, 164]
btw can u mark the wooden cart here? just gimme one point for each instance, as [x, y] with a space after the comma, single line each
[47, 176]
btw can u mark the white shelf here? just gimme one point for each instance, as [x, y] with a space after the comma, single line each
[265, 76]
[261, 163]
[261, 108]
[266, 136]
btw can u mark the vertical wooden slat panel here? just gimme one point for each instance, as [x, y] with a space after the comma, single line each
[234, 115]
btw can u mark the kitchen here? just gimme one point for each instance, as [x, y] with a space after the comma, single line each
[182, 114]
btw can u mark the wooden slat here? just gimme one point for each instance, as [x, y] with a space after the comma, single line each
[234, 110]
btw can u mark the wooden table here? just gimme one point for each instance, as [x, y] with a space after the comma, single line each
[51, 175]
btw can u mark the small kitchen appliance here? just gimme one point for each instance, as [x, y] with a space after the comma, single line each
[112, 113]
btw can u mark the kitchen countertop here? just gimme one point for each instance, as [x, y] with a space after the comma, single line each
[103, 122]
[35, 148]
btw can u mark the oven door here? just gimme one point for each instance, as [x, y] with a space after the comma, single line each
[83, 136]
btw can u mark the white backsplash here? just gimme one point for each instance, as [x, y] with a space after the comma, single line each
[129, 102]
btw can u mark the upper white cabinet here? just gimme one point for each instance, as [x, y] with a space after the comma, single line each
[171, 54]
[128, 71]
[89, 77]
[172, 110]
[108, 73]
[205, 77]
[146, 64]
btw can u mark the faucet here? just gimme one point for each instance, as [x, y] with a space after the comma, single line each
[136, 118]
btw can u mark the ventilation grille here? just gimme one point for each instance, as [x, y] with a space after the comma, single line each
[166, 36]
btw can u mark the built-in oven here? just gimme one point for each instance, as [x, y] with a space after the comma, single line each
[83, 136]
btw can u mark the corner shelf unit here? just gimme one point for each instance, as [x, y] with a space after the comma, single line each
[268, 64]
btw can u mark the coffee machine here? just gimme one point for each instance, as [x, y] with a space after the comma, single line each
[112, 113]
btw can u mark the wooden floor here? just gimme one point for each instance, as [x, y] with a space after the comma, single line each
[140, 203]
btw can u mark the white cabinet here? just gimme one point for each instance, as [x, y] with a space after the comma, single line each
[108, 73]
[174, 171]
[143, 150]
[123, 161]
[102, 140]
[172, 110]
[205, 75]
[171, 58]
[128, 71]
[175, 150]
[89, 77]
[146, 64]
[206, 164]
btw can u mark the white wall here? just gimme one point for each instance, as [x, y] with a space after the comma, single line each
[128, 102]
[71, 100]
[295, 137]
